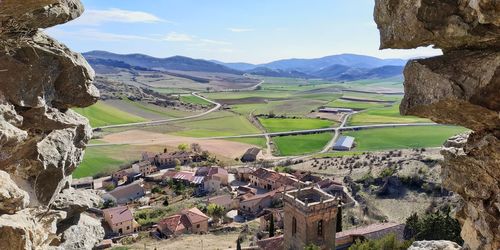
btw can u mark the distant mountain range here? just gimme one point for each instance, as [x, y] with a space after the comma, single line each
[336, 67]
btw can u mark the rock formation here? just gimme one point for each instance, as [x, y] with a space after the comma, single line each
[461, 87]
[434, 245]
[41, 139]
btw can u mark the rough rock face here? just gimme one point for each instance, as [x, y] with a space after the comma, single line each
[41, 139]
[462, 87]
[434, 245]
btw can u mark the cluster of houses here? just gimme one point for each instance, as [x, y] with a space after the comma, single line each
[249, 192]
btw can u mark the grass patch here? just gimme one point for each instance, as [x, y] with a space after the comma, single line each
[354, 105]
[383, 115]
[301, 144]
[98, 160]
[194, 100]
[289, 124]
[402, 137]
[101, 114]
[217, 124]
[257, 141]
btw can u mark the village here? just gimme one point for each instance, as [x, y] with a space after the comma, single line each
[165, 195]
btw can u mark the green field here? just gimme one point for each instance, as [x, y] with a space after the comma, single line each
[257, 141]
[288, 124]
[195, 100]
[220, 123]
[383, 115]
[402, 137]
[354, 105]
[97, 160]
[101, 114]
[301, 144]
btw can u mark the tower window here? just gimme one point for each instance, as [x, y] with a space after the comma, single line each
[294, 226]
[320, 228]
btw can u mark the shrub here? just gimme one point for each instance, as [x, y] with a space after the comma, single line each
[388, 242]
[433, 226]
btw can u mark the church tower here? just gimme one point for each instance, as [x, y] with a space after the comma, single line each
[310, 218]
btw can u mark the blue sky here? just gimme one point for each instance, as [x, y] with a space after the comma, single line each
[255, 31]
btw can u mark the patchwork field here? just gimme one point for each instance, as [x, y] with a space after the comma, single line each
[383, 115]
[102, 114]
[195, 100]
[301, 144]
[402, 137]
[288, 124]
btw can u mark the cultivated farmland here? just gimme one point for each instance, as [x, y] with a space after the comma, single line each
[301, 144]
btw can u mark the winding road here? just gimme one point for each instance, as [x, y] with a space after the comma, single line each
[159, 122]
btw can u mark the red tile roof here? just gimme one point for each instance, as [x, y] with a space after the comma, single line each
[362, 231]
[269, 175]
[172, 223]
[221, 200]
[195, 215]
[119, 214]
[274, 243]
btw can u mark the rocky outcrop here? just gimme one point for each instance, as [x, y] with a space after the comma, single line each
[462, 87]
[41, 139]
[434, 245]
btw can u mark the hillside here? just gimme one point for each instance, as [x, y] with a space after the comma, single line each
[171, 63]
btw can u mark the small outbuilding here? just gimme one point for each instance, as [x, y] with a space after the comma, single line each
[250, 155]
[344, 143]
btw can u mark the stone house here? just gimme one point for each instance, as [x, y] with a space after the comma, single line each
[125, 194]
[346, 238]
[270, 180]
[250, 155]
[145, 168]
[226, 201]
[167, 160]
[120, 220]
[243, 173]
[83, 183]
[265, 218]
[187, 221]
[125, 176]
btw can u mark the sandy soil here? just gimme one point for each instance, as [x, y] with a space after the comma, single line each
[193, 241]
[229, 149]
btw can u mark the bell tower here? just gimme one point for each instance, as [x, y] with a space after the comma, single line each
[310, 218]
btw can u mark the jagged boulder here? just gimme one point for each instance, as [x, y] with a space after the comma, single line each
[41, 140]
[29, 228]
[12, 198]
[84, 232]
[462, 87]
[76, 201]
[449, 25]
[434, 245]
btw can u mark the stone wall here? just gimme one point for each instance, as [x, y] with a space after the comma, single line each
[461, 87]
[41, 139]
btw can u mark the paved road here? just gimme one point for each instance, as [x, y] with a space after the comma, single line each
[159, 122]
[329, 145]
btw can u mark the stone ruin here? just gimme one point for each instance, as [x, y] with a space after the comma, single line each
[41, 139]
[461, 87]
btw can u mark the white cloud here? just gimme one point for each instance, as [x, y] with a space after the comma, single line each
[178, 37]
[97, 17]
[239, 30]
[215, 42]
[96, 35]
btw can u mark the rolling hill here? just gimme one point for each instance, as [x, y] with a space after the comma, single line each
[171, 63]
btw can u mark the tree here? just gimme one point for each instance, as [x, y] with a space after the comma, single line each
[339, 219]
[177, 163]
[183, 147]
[108, 204]
[388, 242]
[215, 211]
[196, 147]
[271, 225]
[165, 202]
[312, 247]
[238, 244]
[433, 226]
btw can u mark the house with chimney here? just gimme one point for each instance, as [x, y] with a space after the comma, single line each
[187, 221]
[120, 220]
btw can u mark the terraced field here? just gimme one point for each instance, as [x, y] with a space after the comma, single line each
[301, 144]
[102, 114]
[383, 115]
[402, 137]
[288, 124]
